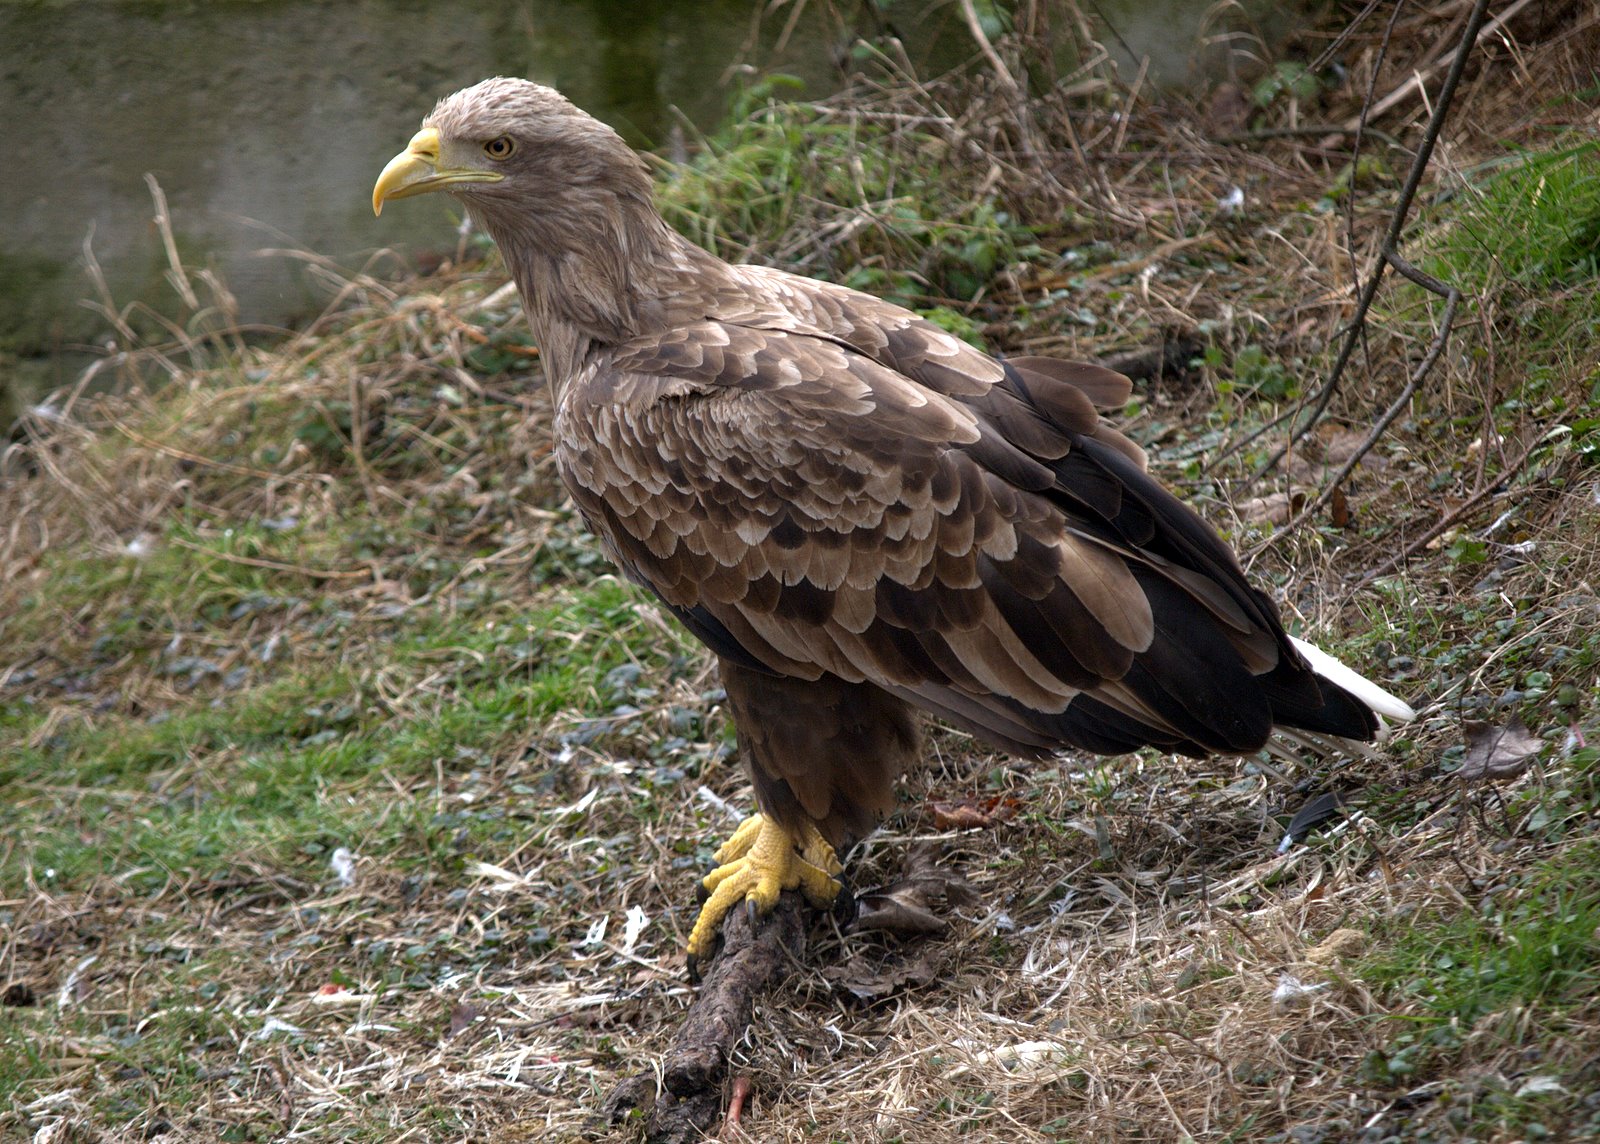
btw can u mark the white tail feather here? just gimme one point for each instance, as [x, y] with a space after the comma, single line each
[1375, 697]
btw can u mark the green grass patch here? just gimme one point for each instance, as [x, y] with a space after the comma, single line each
[1530, 943]
[1523, 240]
[779, 175]
[283, 772]
[1535, 221]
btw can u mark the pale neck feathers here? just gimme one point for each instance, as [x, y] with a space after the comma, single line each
[597, 265]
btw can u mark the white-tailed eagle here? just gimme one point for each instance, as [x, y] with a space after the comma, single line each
[861, 515]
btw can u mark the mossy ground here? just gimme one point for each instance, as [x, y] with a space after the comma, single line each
[350, 796]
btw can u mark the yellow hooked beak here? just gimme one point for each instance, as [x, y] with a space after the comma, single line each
[416, 171]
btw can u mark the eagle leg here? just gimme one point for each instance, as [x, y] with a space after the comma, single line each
[758, 862]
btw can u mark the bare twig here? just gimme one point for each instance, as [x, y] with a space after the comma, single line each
[1332, 49]
[1362, 121]
[1445, 522]
[1112, 28]
[1261, 133]
[1476, 32]
[193, 458]
[1452, 298]
[1391, 240]
[1359, 132]
[1015, 92]
[275, 565]
[689, 1101]
[970, 14]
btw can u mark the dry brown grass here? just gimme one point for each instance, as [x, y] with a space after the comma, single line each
[1127, 970]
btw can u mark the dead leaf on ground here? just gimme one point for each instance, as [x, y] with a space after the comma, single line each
[461, 1019]
[1339, 508]
[1497, 752]
[864, 982]
[973, 812]
[1340, 945]
[896, 911]
[913, 903]
[1275, 508]
[1339, 445]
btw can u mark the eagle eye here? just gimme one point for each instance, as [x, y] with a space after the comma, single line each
[500, 148]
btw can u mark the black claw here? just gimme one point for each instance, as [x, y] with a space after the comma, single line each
[846, 905]
[701, 894]
[751, 914]
[694, 969]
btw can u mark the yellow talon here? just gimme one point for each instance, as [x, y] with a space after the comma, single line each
[758, 862]
[740, 841]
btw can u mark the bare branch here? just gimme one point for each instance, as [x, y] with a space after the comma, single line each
[685, 1104]
[1391, 240]
[1452, 298]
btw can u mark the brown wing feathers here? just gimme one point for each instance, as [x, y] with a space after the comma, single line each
[977, 547]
